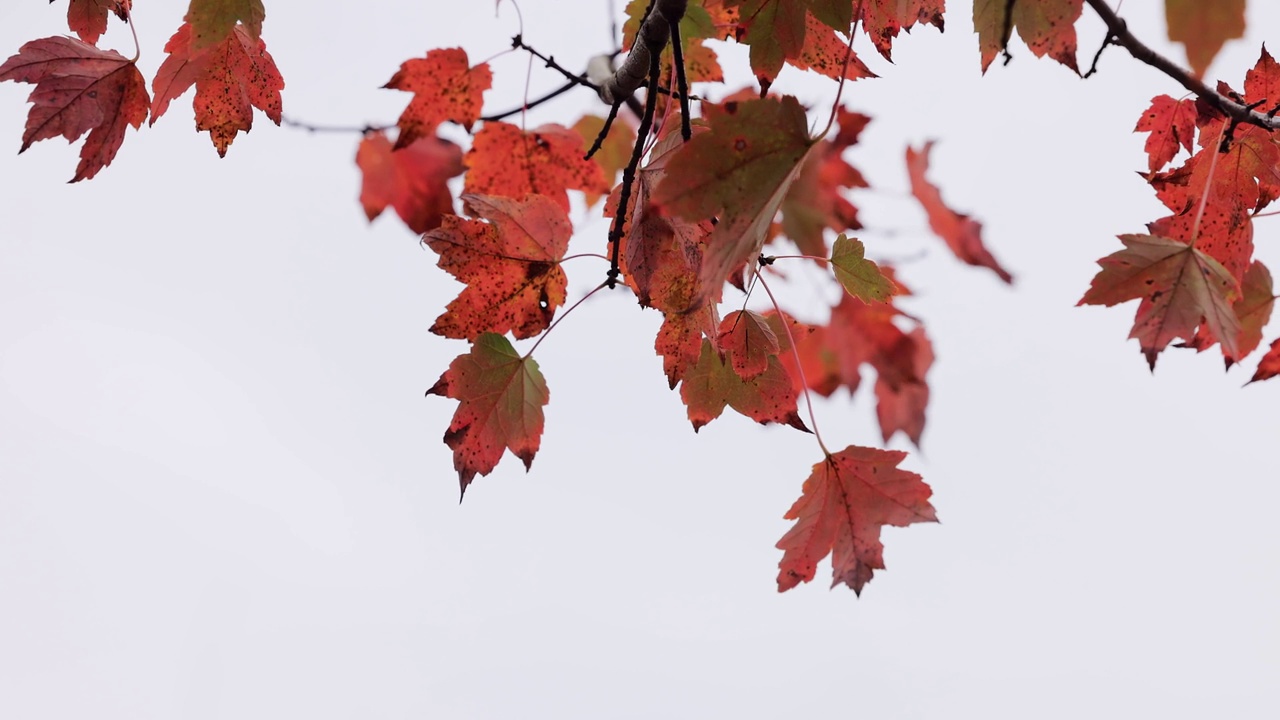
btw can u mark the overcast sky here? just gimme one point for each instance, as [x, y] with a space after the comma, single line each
[223, 494]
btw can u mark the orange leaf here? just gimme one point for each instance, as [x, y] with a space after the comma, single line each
[548, 160]
[1048, 27]
[962, 233]
[846, 500]
[231, 78]
[614, 152]
[824, 53]
[501, 396]
[1179, 286]
[1204, 27]
[79, 89]
[814, 201]
[411, 180]
[212, 21]
[511, 266]
[444, 88]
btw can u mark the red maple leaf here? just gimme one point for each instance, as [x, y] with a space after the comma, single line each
[511, 266]
[824, 52]
[1172, 124]
[749, 342]
[501, 396]
[411, 180]
[846, 501]
[548, 160]
[815, 201]
[231, 78]
[1269, 367]
[738, 171]
[884, 19]
[1048, 27]
[444, 87]
[79, 89]
[1179, 286]
[962, 233]
[1253, 312]
[88, 18]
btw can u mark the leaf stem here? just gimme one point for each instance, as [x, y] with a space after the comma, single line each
[563, 315]
[795, 352]
[582, 255]
[137, 48]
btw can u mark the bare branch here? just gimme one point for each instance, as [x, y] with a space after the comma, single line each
[655, 31]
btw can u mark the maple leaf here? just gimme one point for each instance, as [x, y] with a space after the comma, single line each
[505, 160]
[814, 201]
[747, 339]
[79, 89]
[774, 30]
[861, 277]
[962, 233]
[679, 340]
[1180, 287]
[510, 265]
[212, 21]
[1204, 27]
[1269, 366]
[1046, 26]
[846, 500]
[231, 78]
[824, 52]
[411, 180]
[739, 171]
[884, 19]
[501, 396]
[818, 367]
[903, 398]
[711, 385]
[1253, 311]
[444, 87]
[88, 18]
[614, 152]
[1172, 124]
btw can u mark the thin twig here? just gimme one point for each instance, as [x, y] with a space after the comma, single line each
[629, 173]
[1237, 111]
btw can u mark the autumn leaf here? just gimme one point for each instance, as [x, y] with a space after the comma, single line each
[962, 233]
[614, 152]
[1046, 26]
[510, 265]
[88, 18]
[711, 385]
[861, 277]
[231, 78]
[548, 160]
[412, 180]
[501, 396]
[1269, 367]
[749, 342]
[1204, 27]
[774, 30]
[845, 502]
[212, 21]
[1253, 311]
[1179, 287]
[884, 19]
[815, 200]
[79, 89]
[824, 52]
[444, 87]
[817, 367]
[1172, 124]
[902, 399]
[739, 172]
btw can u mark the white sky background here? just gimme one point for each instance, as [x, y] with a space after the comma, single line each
[224, 495]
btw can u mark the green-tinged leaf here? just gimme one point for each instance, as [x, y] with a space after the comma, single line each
[860, 276]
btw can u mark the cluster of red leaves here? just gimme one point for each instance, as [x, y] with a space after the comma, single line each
[1194, 272]
[81, 88]
[702, 213]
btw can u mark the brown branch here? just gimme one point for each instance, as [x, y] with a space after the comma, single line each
[655, 31]
[1120, 35]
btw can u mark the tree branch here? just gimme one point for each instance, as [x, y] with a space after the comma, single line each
[651, 38]
[1120, 35]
